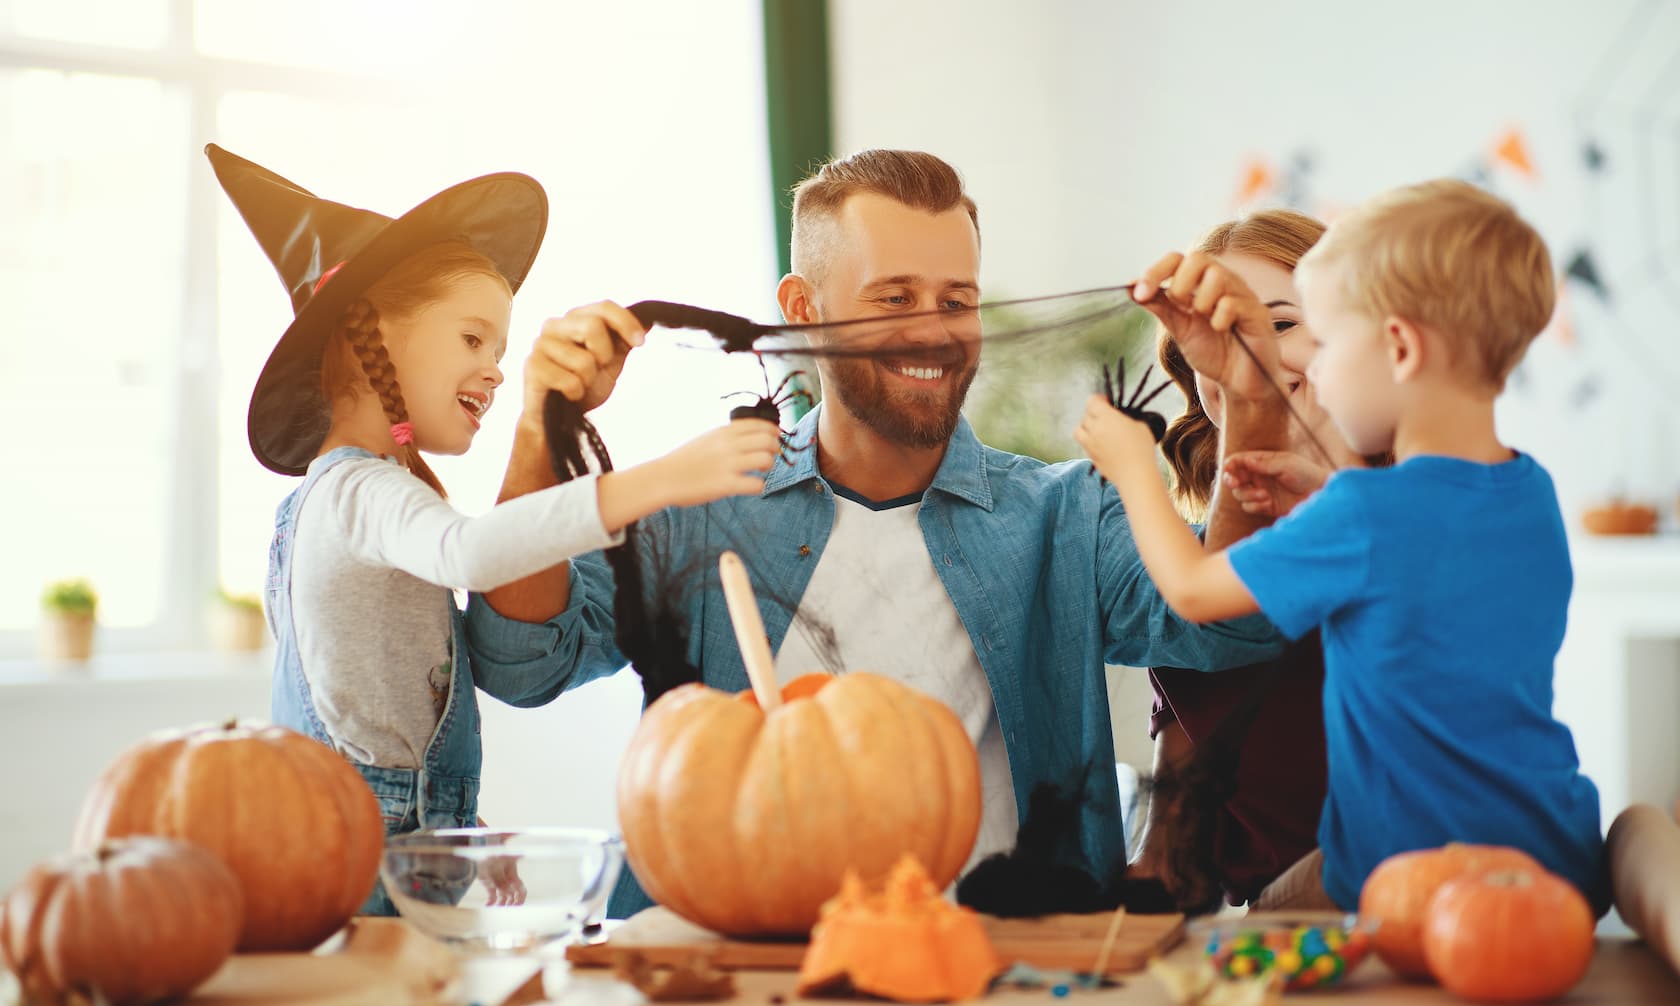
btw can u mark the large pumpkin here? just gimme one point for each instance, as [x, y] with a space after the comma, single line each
[1518, 935]
[135, 921]
[745, 823]
[1396, 896]
[296, 823]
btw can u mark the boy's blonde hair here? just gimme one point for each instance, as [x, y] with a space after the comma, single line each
[1446, 255]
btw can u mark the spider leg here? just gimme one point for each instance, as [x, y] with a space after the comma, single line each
[735, 394]
[1120, 379]
[1138, 392]
[1108, 388]
[1151, 396]
[780, 387]
[798, 395]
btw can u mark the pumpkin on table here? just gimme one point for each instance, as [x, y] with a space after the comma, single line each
[906, 943]
[1510, 935]
[294, 821]
[1396, 896]
[746, 822]
[134, 921]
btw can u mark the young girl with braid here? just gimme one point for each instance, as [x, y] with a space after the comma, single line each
[395, 349]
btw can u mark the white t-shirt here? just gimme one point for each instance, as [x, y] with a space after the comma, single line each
[876, 587]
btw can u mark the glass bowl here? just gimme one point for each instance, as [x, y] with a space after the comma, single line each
[497, 891]
[1310, 949]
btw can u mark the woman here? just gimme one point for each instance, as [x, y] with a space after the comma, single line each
[1239, 774]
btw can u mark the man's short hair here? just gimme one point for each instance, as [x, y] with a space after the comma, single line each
[918, 180]
[1449, 256]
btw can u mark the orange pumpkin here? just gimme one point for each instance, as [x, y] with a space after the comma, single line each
[1517, 935]
[907, 943]
[745, 823]
[298, 826]
[135, 921]
[1396, 896]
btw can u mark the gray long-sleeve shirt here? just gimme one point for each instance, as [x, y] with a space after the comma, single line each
[376, 556]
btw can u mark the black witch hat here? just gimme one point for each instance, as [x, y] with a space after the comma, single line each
[328, 254]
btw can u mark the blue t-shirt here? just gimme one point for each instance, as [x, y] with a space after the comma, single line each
[1442, 588]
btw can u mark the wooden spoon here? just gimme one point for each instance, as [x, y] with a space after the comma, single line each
[749, 630]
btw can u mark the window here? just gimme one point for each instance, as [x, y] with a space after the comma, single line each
[140, 310]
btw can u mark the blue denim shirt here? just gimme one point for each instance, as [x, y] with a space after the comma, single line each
[441, 794]
[1038, 560]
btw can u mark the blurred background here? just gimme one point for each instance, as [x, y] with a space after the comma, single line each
[1094, 135]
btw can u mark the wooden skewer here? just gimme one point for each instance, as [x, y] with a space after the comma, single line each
[749, 630]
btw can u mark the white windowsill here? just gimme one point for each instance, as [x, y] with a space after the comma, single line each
[135, 667]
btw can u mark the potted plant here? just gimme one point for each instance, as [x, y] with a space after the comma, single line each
[68, 608]
[237, 623]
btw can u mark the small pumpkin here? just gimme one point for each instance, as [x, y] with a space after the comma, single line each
[134, 921]
[745, 822]
[1396, 896]
[294, 821]
[1509, 935]
[1618, 516]
[906, 943]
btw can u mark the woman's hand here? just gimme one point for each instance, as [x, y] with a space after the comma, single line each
[1272, 483]
[1120, 447]
[580, 354]
[1205, 307]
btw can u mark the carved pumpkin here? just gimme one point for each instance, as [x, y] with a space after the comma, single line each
[1518, 935]
[745, 823]
[1396, 896]
[907, 943]
[297, 825]
[135, 921]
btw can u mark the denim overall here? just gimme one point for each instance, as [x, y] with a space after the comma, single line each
[441, 794]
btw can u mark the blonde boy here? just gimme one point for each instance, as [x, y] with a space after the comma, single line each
[1441, 584]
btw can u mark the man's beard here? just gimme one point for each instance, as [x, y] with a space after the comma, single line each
[911, 418]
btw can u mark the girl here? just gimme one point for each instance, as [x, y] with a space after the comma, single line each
[395, 348]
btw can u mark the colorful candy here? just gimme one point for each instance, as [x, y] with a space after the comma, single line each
[1310, 955]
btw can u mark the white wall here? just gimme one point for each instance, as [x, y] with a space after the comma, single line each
[1097, 134]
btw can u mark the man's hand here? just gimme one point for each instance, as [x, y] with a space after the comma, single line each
[1204, 306]
[580, 354]
[1272, 483]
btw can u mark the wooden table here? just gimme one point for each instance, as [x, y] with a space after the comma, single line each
[1623, 973]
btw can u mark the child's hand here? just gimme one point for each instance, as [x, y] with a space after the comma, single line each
[1272, 483]
[1204, 307]
[580, 355]
[728, 461]
[1119, 446]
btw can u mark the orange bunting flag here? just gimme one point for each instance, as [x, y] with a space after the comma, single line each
[1512, 151]
[1257, 180]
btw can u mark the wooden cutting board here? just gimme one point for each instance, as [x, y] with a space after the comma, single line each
[375, 960]
[1063, 942]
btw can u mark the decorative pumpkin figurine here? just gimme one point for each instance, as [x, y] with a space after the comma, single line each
[134, 921]
[907, 943]
[1396, 896]
[1620, 517]
[744, 818]
[1517, 935]
[296, 823]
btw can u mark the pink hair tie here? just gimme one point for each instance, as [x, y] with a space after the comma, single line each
[402, 433]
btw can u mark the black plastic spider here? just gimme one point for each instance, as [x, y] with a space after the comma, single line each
[769, 407]
[1156, 422]
[1134, 408]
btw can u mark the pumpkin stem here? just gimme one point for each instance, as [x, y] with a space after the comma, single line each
[749, 630]
[231, 724]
